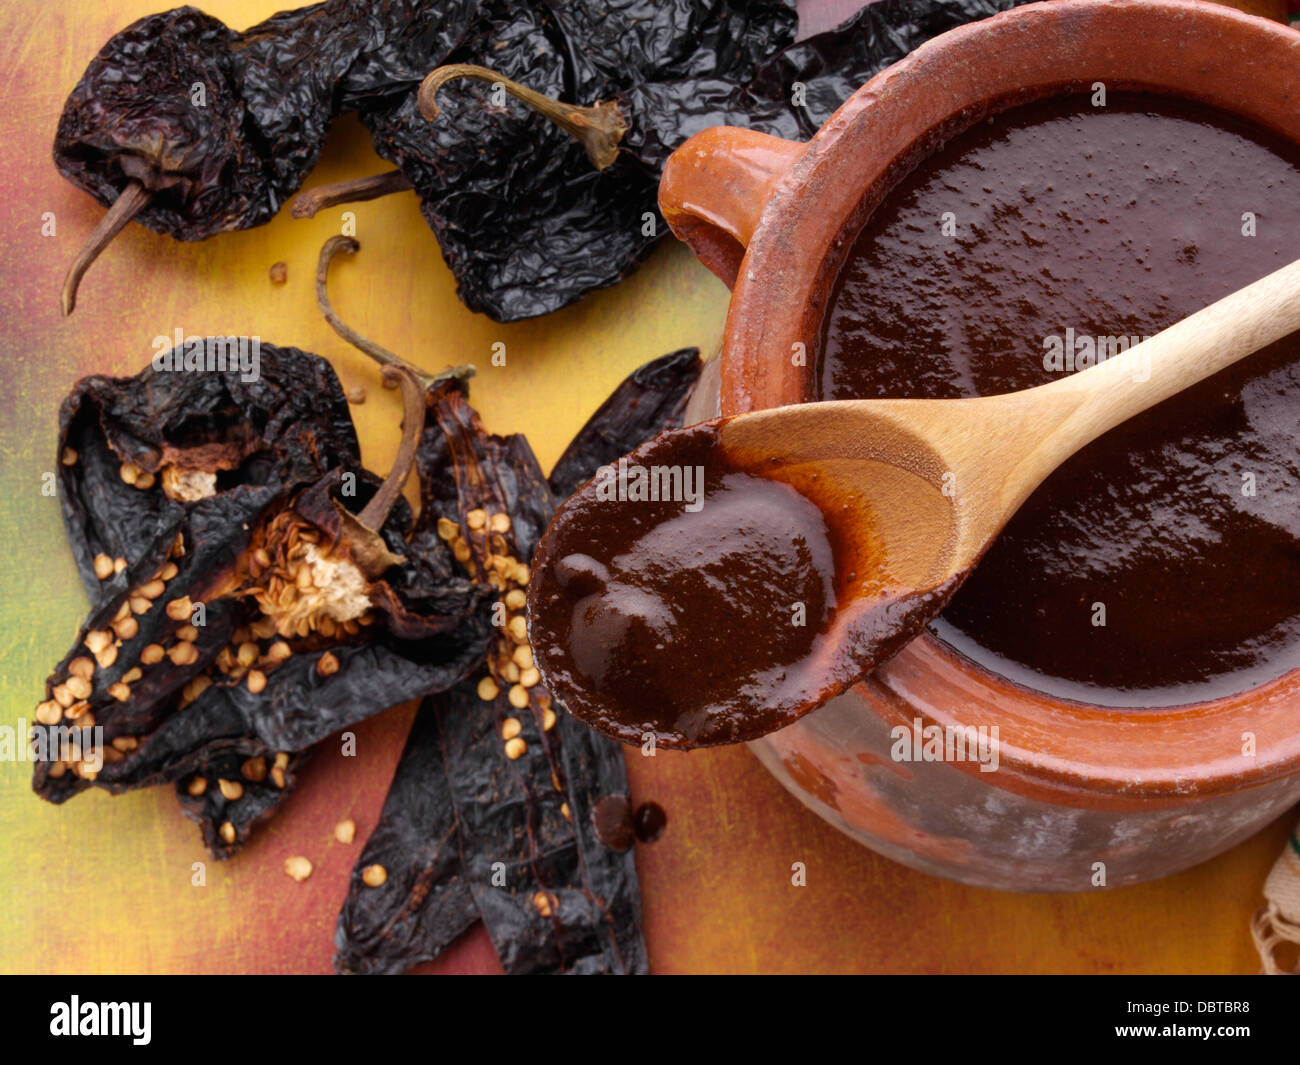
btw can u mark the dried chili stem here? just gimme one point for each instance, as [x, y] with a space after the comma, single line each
[598, 128]
[130, 201]
[377, 352]
[307, 204]
[413, 408]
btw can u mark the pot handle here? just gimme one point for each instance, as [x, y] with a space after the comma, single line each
[714, 188]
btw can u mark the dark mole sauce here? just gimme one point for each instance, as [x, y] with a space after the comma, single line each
[1108, 221]
[676, 618]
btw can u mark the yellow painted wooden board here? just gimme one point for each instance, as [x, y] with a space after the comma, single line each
[105, 885]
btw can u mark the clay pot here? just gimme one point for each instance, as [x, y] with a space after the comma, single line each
[1082, 794]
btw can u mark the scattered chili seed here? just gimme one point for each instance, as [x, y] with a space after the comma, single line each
[510, 728]
[298, 867]
[107, 656]
[277, 777]
[197, 786]
[49, 712]
[97, 640]
[183, 654]
[152, 654]
[447, 529]
[82, 667]
[152, 589]
[119, 691]
[510, 672]
[282, 760]
[256, 681]
[254, 769]
[500, 522]
[515, 748]
[168, 571]
[543, 903]
[529, 677]
[515, 599]
[180, 609]
[230, 789]
[328, 664]
[518, 696]
[69, 457]
[139, 604]
[119, 564]
[132, 675]
[279, 651]
[518, 629]
[488, 690]
[460, 550]
[129, 472]
[188, 633]
[62, 696]
[374, 875]
[476, 518]
[247, 654]
[564, 809]
[356, 395]
[103, 567]
[548, 719]
[279, 273]
[227, 832]
[144, 482]
[77, 710]
[345, 831]
[126, 743]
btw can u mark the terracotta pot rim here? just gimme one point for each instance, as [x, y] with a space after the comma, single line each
[1180, 47]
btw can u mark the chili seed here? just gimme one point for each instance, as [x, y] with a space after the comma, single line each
[129, 472]
[97, 640]
[374, 875]
[82, 667]
[564, 809]
[447, 529]
[500, 522]
[168, 571]
[180, 609]
[228, 833]
[188, 633]
[356, 395]
[183, 654]
[144, 482]
[69, 457]
[152, 654]
[254, 769]
[132, 675]
[230, 789]
[298, 867]
[515, 599]
[63, 696]
[515, 748]
[197, 786]
[127, 628]
[277, 777]
[77, 710]
[103, 567]
[328, 664]
[282, 760]
[107, 656]
[119, 564]
[256, 681]
[152, 589]
[345, 831]
[488, 690]
[57, 769]
[139, 604]
[510, 728]
[543, 903]
[119, 691]
[460, 549]
[476, 518]
[510, 672]
[279, 651]
[248, 653]
[126, 743]
[49, 712]
[518, 629]
[548, 719]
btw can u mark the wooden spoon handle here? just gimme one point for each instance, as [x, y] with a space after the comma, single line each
[1176, 358]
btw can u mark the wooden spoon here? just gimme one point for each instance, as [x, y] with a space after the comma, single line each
[913, 492]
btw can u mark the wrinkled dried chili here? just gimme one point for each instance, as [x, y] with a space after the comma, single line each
[512, 838]
[253, 588]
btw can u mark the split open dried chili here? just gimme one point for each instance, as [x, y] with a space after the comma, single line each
[254, 589]
[491, 812]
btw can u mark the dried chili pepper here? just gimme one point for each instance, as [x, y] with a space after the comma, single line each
[522, 776]
[253, 588]
[194, 129]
